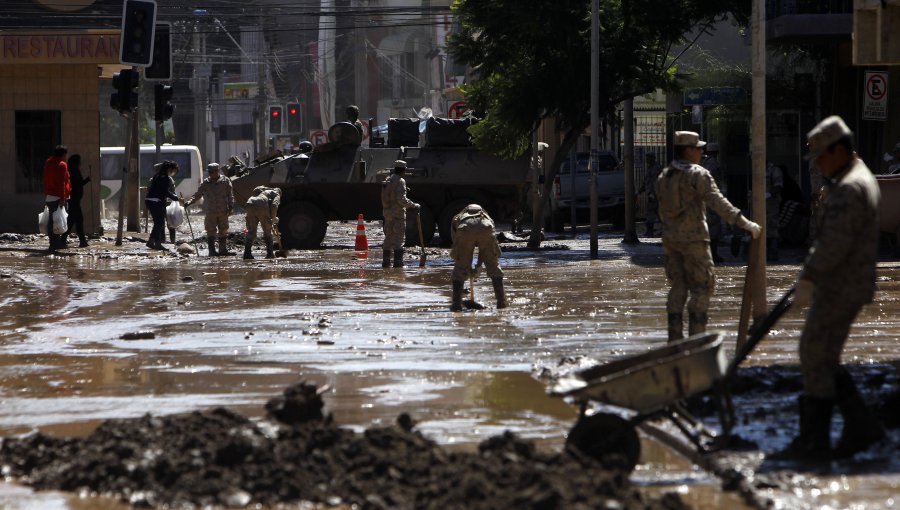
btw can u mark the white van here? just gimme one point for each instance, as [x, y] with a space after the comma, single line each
[112, 161]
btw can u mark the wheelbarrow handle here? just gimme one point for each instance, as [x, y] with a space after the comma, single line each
[759, 331]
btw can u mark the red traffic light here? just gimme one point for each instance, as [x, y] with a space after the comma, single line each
[292, 111]
[276, 113]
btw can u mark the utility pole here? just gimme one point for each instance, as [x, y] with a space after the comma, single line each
[758, 155]
[630, 231]
[262, 110]
[134, 177]
[595, 122]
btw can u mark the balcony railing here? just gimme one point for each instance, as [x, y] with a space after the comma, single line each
[776, 8]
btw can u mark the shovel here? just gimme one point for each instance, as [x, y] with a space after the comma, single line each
[421, 237]
[193, 239]
[471, 304]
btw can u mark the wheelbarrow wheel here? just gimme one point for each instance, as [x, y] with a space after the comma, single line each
[608, 438]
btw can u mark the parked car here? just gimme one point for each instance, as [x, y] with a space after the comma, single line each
[610, 186]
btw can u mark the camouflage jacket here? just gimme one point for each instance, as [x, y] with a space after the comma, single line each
[473, 216]
[842, 260]
[218, 194]
[684, 191]
[265, 198]
[393, 195]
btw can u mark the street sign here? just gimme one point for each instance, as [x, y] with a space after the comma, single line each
[318, 137]
[711, 96]
[875, 97]
[457, 110]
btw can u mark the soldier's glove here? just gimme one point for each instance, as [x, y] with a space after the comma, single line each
[754, 229]
[417, 206]
[803, 292]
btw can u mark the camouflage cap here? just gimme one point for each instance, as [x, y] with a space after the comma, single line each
[825, 133]
[212, 166]
[687, 139]
[399, 164]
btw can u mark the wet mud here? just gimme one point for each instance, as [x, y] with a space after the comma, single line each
[220, 457]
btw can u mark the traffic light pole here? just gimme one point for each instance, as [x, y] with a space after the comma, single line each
[134, 209]
[124, 188]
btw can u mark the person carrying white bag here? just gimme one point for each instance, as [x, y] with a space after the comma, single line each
[162, 187]
[58, 189]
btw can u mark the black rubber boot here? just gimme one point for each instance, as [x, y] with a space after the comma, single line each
[696, 323]
[211, 242]
[172, 235]
[386, 261]
[223, 246]
[398, 258]
[861, 428]
[248, 249]
[456, 304]
[814, 441]
[498, 292]
[270, 247]
[676, 327]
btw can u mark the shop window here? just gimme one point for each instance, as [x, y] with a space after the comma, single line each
[38, 132]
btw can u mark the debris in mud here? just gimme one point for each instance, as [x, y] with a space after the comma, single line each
[219, 457]
[138, 335]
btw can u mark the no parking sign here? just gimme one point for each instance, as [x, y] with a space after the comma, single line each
[876, 96]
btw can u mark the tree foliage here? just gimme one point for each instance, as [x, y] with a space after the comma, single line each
[532, 60]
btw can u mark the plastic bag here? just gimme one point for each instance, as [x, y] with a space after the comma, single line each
[60, 221]
[42, 220]
[174, 215]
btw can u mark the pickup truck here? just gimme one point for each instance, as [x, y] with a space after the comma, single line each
[610, 190]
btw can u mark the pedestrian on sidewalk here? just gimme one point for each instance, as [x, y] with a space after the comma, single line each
[394, 205]
[684, 190]
[57, 190]
[219, 199]
[472, 228]
[837, 279]
[76, 215]
[162, 187]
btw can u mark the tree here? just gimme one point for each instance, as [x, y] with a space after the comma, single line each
[531, 59]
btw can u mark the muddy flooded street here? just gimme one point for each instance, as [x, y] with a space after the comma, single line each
[108, 333]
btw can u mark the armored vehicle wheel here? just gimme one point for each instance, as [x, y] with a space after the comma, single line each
[608, 438]
[412, 228]
[302, 225]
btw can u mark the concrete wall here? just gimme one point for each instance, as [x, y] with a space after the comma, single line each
[73, 89]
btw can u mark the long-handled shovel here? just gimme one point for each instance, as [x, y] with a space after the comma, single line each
[421, 237]
[471, 304]
[193, 239]
[744, 321]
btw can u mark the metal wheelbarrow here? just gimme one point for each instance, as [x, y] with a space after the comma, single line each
[653, 385]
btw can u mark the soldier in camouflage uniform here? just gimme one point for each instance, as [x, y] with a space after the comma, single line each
[838, 277]
[262, 209]
[471, 228]
[394, 205]
[217, 191]
[684, 190]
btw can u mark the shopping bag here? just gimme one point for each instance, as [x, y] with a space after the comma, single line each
[42, 220]
[60, 221]
[174, 215]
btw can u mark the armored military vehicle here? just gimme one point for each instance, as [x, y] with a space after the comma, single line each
[342, 179]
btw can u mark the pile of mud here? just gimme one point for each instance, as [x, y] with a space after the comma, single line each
[219, 457]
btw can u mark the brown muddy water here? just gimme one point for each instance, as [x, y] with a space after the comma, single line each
[234, 333]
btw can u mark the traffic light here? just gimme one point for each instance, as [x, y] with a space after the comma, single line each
[162, 102]
[161, 68]
[275, 115]
[136, 42]
[125, 97]
[293, 118]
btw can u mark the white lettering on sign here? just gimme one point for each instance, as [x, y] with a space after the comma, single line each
[876, 96]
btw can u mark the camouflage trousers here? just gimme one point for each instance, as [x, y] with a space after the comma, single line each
[464, 243]
[822, 341]
[214, 222]
[394, 229]
[689, 269]
[258, 215]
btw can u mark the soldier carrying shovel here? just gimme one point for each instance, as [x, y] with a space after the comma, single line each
[262, 210]
[471, 228]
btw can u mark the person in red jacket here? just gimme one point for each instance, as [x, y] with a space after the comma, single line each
[58, 189]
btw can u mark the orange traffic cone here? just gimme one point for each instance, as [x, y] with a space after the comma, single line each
[362, 242]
